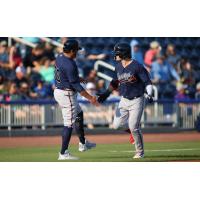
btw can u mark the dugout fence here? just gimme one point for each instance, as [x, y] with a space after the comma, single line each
[45, 114]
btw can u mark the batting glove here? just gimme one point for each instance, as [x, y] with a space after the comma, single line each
[149, 99]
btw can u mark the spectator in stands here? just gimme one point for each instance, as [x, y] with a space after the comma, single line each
[34, 77]
[162, 74]
[15, 57]
[6, 59]
[197, 95]
[101, 86]
[3, 89]
[150, 55]
[40, 90]
[49, 52]
[172, 56]
[181, 93]
[92, 76]
[62, 40]
[91, 88]
[136, 52]
[33, 58]
[47, 71]
[24, 91]
[188, 77]
[20, 76]
[86, 60]
[4, 56]
[12, 93]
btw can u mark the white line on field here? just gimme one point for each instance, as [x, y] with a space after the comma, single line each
[158, 150]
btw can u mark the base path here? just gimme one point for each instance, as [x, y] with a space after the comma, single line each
[41, 141]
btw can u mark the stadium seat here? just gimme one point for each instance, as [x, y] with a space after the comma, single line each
[194, 54]
[184, 53]
[188, 43]
[178, 43]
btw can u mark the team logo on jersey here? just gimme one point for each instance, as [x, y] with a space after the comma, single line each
[126, 78]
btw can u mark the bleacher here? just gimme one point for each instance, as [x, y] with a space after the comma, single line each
[185, 47]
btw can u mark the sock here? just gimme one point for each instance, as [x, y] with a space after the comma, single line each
[66, 136]
[131, 139]
[79, 127]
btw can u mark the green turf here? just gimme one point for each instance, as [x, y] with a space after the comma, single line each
[107, 153]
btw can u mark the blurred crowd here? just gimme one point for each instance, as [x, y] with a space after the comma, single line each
[172, 74]
[28, 73]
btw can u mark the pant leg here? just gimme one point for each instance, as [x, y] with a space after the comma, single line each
[66, 101]
[135, 113]
[69, 106]
[121, 117]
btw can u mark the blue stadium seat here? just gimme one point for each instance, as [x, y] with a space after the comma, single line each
[188, 42]
[194, 54]
[145, 43]
[197, 43]
[184, 53]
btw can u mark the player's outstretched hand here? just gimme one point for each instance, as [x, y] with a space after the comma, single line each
[94, 101]
[149, 99]
[102, 97]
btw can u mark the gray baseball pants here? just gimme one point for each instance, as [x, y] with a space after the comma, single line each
[128, 116]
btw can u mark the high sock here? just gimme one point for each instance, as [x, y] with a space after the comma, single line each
[66, 136]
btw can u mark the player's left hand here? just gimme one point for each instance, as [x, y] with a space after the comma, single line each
[149, 99]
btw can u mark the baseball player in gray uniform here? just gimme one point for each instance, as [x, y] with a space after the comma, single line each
[132, 81]
[67, 82]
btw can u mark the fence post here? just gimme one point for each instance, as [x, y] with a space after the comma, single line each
[43, 117]
[177, 115]
[9, 120]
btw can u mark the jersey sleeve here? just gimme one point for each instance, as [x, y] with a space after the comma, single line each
[143, 74]
[73, 77]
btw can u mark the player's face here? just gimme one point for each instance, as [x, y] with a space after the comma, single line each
[117, 58]
[74, 53]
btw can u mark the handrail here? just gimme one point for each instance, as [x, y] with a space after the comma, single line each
[112, 100]
[30, 44]
[105, 65]
[23, 41]
[53, 42]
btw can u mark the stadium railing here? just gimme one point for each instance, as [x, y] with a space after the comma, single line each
[46, 113]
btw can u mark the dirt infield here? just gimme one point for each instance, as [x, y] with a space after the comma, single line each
[38, 141]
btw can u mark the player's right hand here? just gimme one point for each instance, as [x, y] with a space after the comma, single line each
[93, 100]
[149, 99]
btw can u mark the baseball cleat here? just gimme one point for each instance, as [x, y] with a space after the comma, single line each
[138, 155]
[67, 156]
[86, 146]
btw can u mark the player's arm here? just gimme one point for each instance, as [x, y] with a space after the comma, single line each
[112, 86]
[144, 76]
[74, 80]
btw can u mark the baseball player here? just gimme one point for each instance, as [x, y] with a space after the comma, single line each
[132, 81]
[67, 84]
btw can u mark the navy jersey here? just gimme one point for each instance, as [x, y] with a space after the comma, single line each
[132, 79]
[66, 74]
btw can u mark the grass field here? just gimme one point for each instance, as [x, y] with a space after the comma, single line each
[163, 151]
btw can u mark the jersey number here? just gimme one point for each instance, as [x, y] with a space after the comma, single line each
[57, 74]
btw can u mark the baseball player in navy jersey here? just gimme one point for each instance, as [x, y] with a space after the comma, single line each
[132, 81]
[67, 84]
